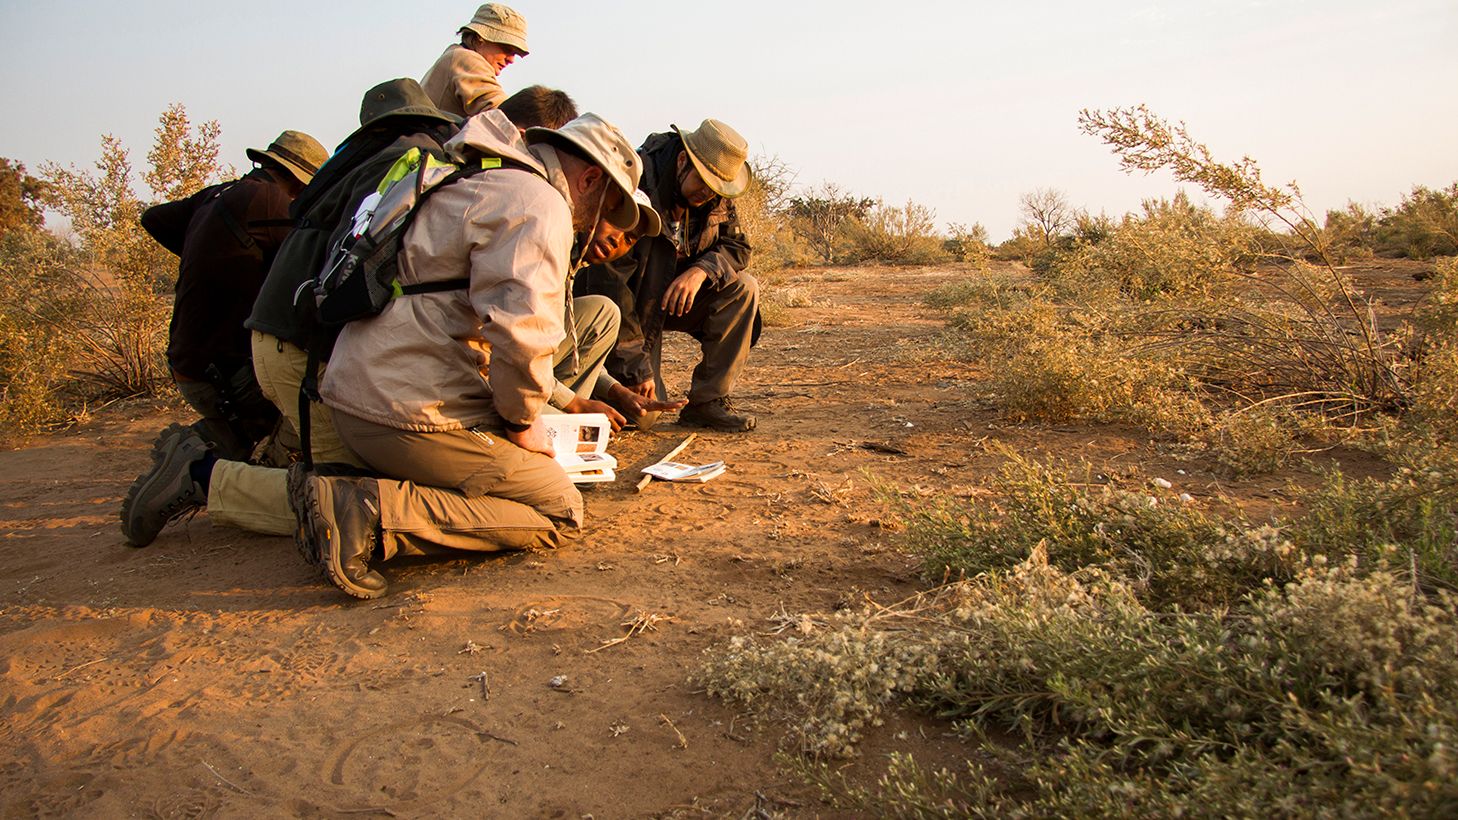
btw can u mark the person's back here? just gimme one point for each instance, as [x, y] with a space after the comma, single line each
[418, 364]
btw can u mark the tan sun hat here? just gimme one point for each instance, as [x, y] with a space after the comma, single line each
[719, 154]
[496, 23]
[649, 222]
[297, 152]
[609, 150]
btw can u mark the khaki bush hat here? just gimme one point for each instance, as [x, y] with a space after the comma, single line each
[720, 155]
[610, 150]
[649, 222]
[496, 23]
[400, 98]
[298, 153]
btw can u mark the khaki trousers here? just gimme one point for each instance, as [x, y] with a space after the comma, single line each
[256, 498]
[463, 489]
[722, 319]
[596, 319]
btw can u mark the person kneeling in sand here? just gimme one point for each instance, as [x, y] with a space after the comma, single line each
[442, 392]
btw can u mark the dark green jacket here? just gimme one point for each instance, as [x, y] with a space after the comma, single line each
[321, 214]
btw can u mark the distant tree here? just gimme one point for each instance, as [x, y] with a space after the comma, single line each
[968, 244]
[183, 163]
[822, 214]
[1351, 232]
[105, 210]
[21, 197]
[1047, 214]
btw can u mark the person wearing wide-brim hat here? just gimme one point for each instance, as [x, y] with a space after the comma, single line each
[395, 116]
[691, 278]
[465, 78]
[226, 236]
[442, 393]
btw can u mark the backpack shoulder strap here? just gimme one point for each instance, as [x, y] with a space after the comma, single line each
[472, 169]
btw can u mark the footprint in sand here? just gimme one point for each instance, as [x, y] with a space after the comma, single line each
[424, 760]
[564, 612]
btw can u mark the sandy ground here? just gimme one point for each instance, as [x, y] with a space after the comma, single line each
[215, 674]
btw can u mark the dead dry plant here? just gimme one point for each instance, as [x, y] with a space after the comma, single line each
[1297, 333]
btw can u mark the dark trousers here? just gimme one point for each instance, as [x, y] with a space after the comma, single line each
[235, 415]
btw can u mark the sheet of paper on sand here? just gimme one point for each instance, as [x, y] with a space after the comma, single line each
[675, 471]
[580, 440]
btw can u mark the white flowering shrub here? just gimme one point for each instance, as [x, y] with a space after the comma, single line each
[1336, 694]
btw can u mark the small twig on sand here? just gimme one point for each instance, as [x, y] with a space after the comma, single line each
[485, 685]
[637, 626]
[219, 775]
[82, 666]
[682, 741]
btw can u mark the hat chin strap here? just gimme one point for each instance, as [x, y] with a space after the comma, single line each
[577, 265]
[591, 234]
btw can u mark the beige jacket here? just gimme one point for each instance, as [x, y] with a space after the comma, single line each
[462, 358]
[462, 83]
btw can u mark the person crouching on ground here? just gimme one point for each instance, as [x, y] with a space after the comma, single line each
[691, 278]
[442, 392]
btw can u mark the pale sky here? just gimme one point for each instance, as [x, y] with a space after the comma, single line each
[960, 106]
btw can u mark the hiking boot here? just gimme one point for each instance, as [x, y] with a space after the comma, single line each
[297, 477]
[339, 524]
[716, 415]
[167, 491]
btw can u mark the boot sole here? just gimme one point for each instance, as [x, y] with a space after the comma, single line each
[316, 496]
[298, 478]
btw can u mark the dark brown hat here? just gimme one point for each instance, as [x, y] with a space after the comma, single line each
[400, 98]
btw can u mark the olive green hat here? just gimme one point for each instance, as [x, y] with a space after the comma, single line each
[295, 152]
[720, 155]
[496, 23]
[400, 98]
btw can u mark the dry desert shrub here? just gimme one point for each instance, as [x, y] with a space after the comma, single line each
[896, 235]
[86, 322]
[1157, 660]
[1292, 331]
[762, 212]
[1171, 553]
[1172, 248]
[35, 346]
[1263, 709]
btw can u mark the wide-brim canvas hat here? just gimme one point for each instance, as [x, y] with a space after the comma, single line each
[296, 152]
[649, 222]
[496, 23]
[720, 155]
[400, 98]
[601, 141]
